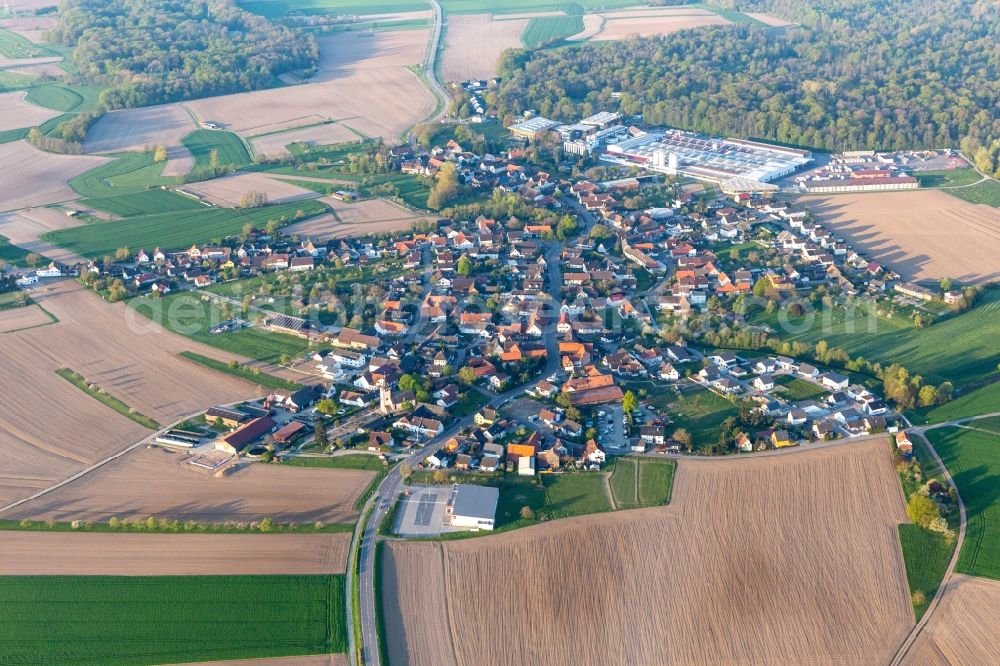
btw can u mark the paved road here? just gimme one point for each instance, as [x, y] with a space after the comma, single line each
[430, 63]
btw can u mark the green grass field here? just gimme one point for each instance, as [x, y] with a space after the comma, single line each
[65, 98]
[926, 555]
[232, 151]
[252, 375]
[128, 173]
[983, 400]
[641, 482]
[924, 351]
[798, 389]
[624, 484]
[15, 46]
[175, 230]
[986, 192]
[109, 620]
[947, 177]
[353, 461]
[575, 494]
[548, 29]
[148, 202]
[700, 412]
[518, 6]
[15, 81]
[959, 183]
[12, 254]
[279, 8]
[973, 458]
[186, 314]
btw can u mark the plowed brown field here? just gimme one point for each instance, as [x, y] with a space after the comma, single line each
[30, 177]
[792, 559]
[155, 482]
[473, 42]
[964, 629]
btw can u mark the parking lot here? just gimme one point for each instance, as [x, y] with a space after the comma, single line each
[421, 513]
[611, 427]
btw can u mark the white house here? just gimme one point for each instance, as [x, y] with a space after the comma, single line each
[835, 381]
[472, 507]
[763, 383]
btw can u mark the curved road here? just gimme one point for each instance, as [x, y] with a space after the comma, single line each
[430, 62]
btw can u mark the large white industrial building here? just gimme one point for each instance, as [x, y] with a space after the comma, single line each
[706, 158]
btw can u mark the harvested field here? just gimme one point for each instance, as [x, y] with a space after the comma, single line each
[819, 543]
[104, 554]
[50, 429]
[276, 145]
[27, 63]
[767, 19]
[645, 26]
[17, 319]
[473, 42]
[25, 227]
[32, 177]
[230, 190]
[157, 482]
[359, 218]
[592, 24]
[963, 629]
[922, 235]
[150, 126]
[16, 113]
[655, 12]
[363, 83]
[34, 5]
[30, 27]
[397, 16]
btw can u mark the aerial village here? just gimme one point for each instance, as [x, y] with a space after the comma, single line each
[549, 342]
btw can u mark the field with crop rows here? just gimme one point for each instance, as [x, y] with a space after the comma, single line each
[547, 29]
[172, 231]
[90, 620]
[231, 150]
[973, 458]
[65, 98]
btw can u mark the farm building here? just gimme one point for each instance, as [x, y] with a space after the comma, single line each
[249, 432]
[231, 418]
[288, 432]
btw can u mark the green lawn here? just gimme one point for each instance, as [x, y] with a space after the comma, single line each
[470, 403]
[231, 150]
[368, 463]
[107, 620]
[924, 351]
[15, 81]
[983, 400]
[796, 389]
[186, 314]
[574, 494]
[178, 230]
[624, 483]
[973, 458]
[12, 254]
[656, 482]
[958, 183]
[64, 97]
[986, 192]
[700, 412]
[548, 29]
[926, 555]
[947, 177]
[252, 375]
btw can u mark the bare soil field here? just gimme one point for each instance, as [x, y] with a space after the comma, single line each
[34, 5]
[772, 21]
[108, 554]
[50, 429]
[156, 482]
[276, 145]
[16, 113]
[359, 218]
[150, 126]
[32, 177]
[650, 12]
[24, 227]
[17, 319]
[922, 234]
[473, 42]
[963, 629]
[230, 190]
[27, 63]
[620, 28]
[363, 83]
[592, 24]
[29, 27]
[397, 16]
[755, 561]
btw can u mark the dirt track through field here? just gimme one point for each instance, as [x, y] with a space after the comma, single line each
[922, 234]
[964, 628]
[157, 482]
[50, 429]
[755, 561]
[43, 553]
